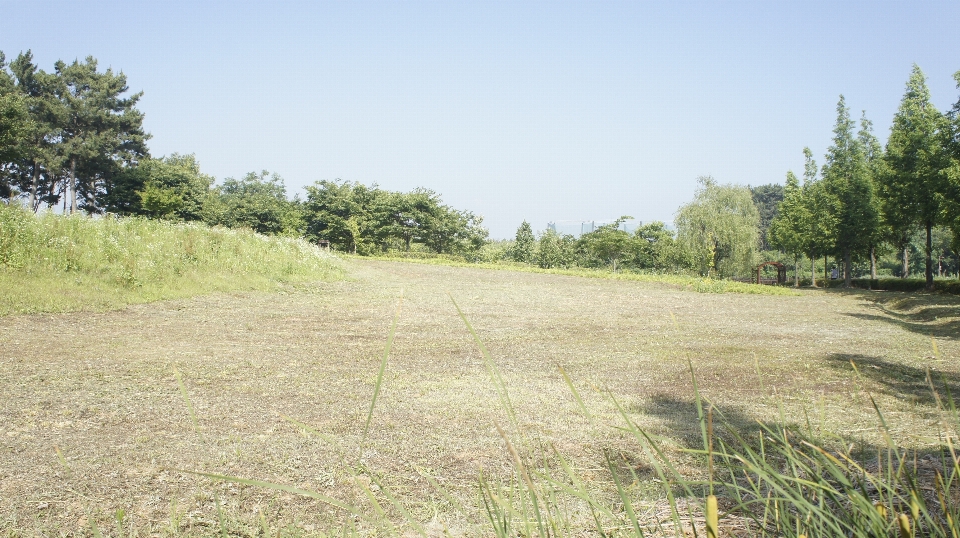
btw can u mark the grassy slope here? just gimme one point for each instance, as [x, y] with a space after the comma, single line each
[52, 263]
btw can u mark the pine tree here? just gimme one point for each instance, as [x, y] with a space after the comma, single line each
[914, 182]
[102, 131]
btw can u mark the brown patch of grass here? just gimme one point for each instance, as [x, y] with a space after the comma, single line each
[101, 388]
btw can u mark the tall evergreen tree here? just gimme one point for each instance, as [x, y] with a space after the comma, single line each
[523, 246]
[820, 213]
[846, 180]
[873, 155]
[951, 145]
[37, 170]
[914, 181]
[14, 128]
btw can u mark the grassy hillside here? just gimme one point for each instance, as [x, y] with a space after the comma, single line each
[54, 263]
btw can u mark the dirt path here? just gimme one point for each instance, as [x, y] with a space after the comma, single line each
[92, 419]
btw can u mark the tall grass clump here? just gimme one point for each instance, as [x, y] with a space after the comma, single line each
[54, 263]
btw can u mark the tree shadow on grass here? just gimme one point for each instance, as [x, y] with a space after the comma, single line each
[931, 314]
[899, 380]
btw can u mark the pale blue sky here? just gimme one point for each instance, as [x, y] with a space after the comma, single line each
[515, 110]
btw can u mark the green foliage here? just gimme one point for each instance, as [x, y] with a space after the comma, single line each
[608, 243]
[257, 202]
[60, 263]
[655, 248]
[341, 212]
[364, 220]
[950, 136]
[914, 184]
[100, 131]
[847, 182]
[767, 199]
[788, 229]
[719, 229]
[170, 188]
[524, 244]
[555, 250]
[14, 126]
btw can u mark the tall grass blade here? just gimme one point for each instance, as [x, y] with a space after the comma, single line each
[383, 368]
[308, 428]
[576, 394]
[186, 400]
[499, 384]
[627, 503]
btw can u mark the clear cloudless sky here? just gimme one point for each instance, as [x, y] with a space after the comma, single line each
[541, 111]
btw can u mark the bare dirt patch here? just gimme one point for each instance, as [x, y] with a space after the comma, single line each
[92, 421]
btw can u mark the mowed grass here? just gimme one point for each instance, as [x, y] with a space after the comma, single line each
[95, 426]
[680, 281]
[52, 263]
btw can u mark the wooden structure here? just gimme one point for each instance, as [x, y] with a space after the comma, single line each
[781, 273]
[324, 244]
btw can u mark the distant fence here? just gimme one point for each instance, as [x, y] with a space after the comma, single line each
[577, 228]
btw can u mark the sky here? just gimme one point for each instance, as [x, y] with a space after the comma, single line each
[537, 111]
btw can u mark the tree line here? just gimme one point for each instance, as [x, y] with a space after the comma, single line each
[867, 197]
[73, 139]
[716, 234]
[866, 201]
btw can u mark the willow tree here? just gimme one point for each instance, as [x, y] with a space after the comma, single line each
[719, 229]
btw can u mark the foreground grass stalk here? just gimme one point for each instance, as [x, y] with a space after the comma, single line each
[495, 376]
[186, 400]
[713, 518]
[383, 368]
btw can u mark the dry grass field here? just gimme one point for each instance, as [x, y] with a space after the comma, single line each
[94, 427]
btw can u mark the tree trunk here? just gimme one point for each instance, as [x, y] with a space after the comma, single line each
[796, 271]
[847, 277]
[826, 274]
[905, 269]
[813, 271]
[873, 263]
[929, 256]
[72, 187]
[33, 186]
